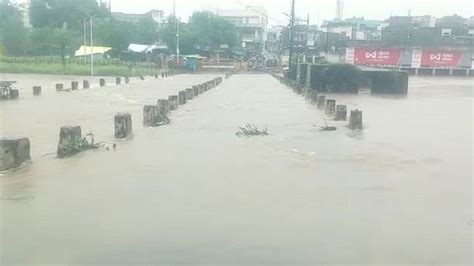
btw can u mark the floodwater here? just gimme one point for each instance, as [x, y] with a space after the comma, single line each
[397, 193]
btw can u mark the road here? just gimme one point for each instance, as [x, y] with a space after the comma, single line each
[192, 192]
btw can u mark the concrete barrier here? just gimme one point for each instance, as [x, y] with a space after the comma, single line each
[68, 136]
[37, 90]
[182, 99]
[196, 87]
[14, 94]
[13, 153]
[151, 116]
[201, 88]
[74, 85]
[85, 84]
[195, 91]
[163, 105]
[321, 104]
[173, 102]
[355, 120]
[330, 107]
[314, 96]
[123, 125]
[189, 94]
[341, 113]
[118, 81]
[102, 82]
[163, 108]
[59, 87]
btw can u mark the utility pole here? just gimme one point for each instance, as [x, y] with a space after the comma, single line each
[292, 24]
[92, 50]
[178, 52]
[85, 40]
[177, 33]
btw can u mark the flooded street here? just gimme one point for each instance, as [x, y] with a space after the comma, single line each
[399, 192]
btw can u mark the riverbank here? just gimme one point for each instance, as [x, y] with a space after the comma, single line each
[75, 69]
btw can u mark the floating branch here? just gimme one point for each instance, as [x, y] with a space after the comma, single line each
[251, 130]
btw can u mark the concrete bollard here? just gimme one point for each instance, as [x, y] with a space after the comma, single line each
[314, 96]
[156, 75]
[68, 137]
[189, 94]
[321, 103]
[102, 82]
[14, 94]
[118, 81]
[173, 102]
[37, 90]
[330, 107]
[85, 84]
[182, 97]
[163, 106]
[123, 125]
[74, 85]
[341, 113]
[151, 116]
[355, 120]
[13, 153]
[307, 93]
[201, 88]
[195, 91]
[299, 88]
[127, 80]
[59, 87]
[162, 74]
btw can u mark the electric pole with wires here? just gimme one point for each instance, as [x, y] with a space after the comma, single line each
[292, 24]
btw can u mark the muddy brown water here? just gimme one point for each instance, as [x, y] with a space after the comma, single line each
[397, 193]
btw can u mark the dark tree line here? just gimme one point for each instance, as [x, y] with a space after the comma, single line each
[58, 29]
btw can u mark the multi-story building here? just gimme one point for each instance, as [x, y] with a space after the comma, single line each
[355, 28]
[252, 23]
[412, 21]
[157, 15]
[273, 39]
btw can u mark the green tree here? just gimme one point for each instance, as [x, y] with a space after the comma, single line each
[53, 41]
[211, 30]
[13, 34]
[115, 34]
[204, 30]
[146, 31]
[68, 14]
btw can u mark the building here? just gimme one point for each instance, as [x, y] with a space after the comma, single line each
[273, 39]
[252, 23]
[355, 28]
[157, 15]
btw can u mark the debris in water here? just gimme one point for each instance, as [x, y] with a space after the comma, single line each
[251, 130]
[326, 128]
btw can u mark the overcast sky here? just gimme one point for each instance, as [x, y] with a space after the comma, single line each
[317, 9]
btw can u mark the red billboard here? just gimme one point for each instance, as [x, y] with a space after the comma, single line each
[440, 58]
[377, 56]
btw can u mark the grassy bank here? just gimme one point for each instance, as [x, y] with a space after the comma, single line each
[75, 69]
